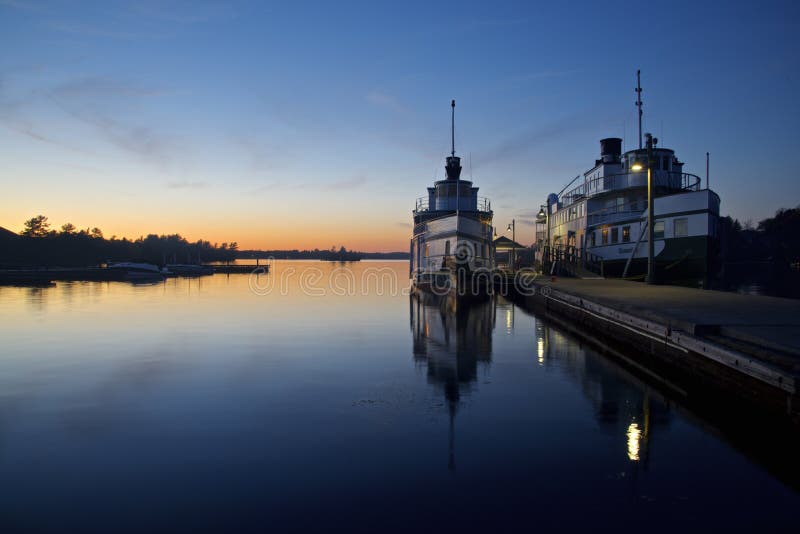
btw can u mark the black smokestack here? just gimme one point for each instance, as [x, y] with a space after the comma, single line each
[611, 150]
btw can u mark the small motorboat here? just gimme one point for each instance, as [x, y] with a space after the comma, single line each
[139, 271]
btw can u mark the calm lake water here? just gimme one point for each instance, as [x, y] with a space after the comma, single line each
[234, 403]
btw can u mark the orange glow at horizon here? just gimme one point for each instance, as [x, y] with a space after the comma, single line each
[273, 235]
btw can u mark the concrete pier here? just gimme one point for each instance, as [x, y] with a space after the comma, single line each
[746, 346]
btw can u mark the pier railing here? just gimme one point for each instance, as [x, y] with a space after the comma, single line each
[675, 181]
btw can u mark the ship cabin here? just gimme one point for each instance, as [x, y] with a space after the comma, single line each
[451, 223]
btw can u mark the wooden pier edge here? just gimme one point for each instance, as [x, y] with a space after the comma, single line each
[692, 365]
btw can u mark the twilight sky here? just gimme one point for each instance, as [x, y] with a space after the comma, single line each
[292, 124]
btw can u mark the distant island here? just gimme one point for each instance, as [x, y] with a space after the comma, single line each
[332, 254]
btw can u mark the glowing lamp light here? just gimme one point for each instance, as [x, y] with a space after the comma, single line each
[636, 167]
[634, 437]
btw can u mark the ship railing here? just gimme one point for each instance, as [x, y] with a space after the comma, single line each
[422, 204]
[616, 212]
[664, 179]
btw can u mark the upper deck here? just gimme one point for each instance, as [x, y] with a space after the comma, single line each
[476, 204]
[664, 180]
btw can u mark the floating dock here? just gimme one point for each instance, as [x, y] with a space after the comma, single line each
[240, 269]
[46, 276]
[744, 345]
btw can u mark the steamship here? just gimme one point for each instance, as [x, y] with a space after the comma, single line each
[600, 224]
[451, 248]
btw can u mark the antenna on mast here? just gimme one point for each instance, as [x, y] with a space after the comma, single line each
[639, 103]
[453, 127]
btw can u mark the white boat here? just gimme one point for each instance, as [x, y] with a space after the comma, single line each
[599, 221]
[136, 270]
[451, 248]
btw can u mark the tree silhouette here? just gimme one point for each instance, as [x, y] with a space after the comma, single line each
[72, 247]
[36, 227]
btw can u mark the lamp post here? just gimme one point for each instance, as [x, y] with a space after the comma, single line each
[651, 264]
[513, 229]
[544, 213]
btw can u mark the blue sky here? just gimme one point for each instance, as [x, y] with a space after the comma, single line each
[278, 124]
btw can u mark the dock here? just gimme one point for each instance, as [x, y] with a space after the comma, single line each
[240, 269]
[745, 346]
[46, 276]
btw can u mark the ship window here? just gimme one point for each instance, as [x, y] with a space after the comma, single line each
[614, 235]
[681, 228]
[447, 248]
[593, 238]
[605, 236]
[658, 230]
[626, 234]
[426, 249]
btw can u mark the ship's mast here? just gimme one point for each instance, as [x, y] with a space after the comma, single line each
[453, 151]
[453, 128]
[639, 103]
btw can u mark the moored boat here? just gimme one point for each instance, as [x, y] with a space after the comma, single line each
[451, 248]
[139, 271]
[599, 222]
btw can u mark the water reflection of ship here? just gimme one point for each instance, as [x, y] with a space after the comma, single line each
[624, 405]
[451, 344]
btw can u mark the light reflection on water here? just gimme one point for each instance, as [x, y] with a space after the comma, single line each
[195, 402]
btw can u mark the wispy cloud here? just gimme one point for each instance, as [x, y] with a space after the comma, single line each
[87, 30]
[95, 86]
[188, 12]
[383, 100]
[527, 139]
[275, 185]
[350, 183]
[187, 185]
[23, 6]
[92, 101]
[279, 185]
[262, 155]
[530, 214]
[13, 117]
[143, 141]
